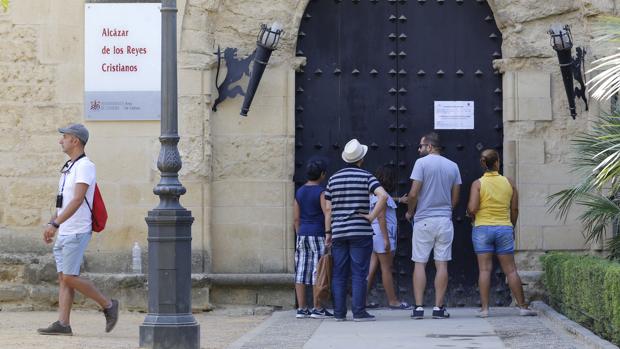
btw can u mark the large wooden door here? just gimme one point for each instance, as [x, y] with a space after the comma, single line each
[374, 70]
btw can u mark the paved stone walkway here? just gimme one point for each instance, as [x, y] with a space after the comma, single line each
[238, 328]
[394, 329]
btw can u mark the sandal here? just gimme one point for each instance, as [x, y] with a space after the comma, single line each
[401, 306]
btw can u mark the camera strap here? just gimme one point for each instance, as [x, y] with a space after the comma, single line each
[64, 177]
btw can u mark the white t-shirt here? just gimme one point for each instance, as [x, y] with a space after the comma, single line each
[81, 221]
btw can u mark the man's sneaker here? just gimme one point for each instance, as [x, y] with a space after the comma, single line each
[302, 313]
[111, 316]
[364, 317]
[320, 313]
[418, 312]
[440, 312]
[56, 329]
[340, 319]
[527, 312]
[482, 313]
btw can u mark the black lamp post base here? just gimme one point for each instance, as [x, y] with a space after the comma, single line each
[170, 332]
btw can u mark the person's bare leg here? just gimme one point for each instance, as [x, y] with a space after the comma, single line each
[300, 291]
[87, 288]
[441, 282]
[65, 301]
[485, 265]
[385, 261]
[372, 271]
[507, 262]
[419, 282]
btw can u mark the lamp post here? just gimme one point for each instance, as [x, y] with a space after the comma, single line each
[169, 322]
[266, 42]
[562, 43]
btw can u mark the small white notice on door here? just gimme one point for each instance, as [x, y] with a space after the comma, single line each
[454, 115]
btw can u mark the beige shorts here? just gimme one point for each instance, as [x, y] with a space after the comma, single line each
[434, 233]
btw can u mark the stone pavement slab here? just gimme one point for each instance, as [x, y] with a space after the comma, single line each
[529, 332]
[394, 329]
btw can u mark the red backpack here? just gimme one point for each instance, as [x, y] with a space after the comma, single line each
[98, 211]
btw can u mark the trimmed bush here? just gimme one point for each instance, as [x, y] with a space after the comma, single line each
[586, 289]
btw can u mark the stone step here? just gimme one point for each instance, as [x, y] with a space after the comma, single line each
[131, 289]
[27, 268]
[533, 286]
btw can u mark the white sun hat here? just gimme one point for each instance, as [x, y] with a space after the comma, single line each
[354, 151]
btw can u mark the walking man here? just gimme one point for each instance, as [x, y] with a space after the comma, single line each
[73, 223]
[348, 199]
[434, 193]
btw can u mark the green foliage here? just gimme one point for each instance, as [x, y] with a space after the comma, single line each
[586, 289]
[4, 4]
[596, 161]
[606, 82]
[606, 28]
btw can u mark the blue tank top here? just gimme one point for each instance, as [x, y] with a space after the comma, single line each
[311, 218]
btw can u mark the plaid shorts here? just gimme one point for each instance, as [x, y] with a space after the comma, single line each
[308, 251]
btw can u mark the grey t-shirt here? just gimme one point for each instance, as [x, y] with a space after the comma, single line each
[437, 175]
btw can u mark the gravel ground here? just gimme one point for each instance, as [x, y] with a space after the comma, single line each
[18, 330]
[520, 332]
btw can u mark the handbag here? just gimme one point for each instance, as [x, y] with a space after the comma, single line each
[323, 283]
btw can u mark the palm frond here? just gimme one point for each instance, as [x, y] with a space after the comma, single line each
[600, 211]
[596, 162]
[563, 201]
[614, 247]
[606, 28]
[607, 82]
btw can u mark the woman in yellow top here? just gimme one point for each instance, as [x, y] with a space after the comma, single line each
[494, 206]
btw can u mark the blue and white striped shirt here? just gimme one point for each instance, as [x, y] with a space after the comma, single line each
[348, 190]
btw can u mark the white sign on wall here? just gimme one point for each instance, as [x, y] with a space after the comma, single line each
[122, 61]
[454, 115]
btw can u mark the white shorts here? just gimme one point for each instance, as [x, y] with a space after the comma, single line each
[433, 233]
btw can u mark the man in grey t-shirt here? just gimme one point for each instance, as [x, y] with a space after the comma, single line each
[434, 193]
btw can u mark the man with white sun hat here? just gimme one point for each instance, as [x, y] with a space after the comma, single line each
[347, 196]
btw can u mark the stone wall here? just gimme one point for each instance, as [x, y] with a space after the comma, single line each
[41, 89]
[238, 171]
[537, 122]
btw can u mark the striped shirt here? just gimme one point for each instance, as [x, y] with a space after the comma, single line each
[348, 190]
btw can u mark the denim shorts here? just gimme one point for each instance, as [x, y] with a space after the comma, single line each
[378, 245]
[68, 252]
[496, 239]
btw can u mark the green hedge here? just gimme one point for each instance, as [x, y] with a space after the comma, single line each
[586, 289]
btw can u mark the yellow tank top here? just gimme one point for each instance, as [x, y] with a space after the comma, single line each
[495, 197]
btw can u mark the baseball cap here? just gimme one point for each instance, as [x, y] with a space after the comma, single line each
[77, 130]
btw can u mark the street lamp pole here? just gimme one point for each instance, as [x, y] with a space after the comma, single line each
[169, 322]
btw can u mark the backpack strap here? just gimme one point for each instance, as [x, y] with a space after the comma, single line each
[87, 204]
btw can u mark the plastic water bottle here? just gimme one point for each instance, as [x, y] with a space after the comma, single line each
[136, 259]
